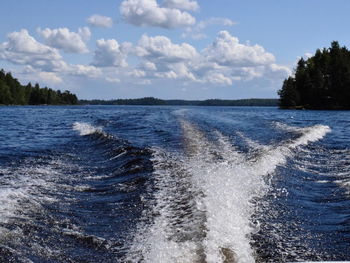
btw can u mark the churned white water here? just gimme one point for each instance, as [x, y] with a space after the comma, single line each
[203, 201]
[85, 128]
[24, 189]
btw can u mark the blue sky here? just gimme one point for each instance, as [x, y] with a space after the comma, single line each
[182, 49]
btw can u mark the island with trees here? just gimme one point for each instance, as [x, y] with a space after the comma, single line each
[320, 82]
[12, 92]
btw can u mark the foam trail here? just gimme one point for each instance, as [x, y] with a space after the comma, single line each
[310, 134]
[229, 188]
[86, 128]
[223, 184]
[21, 190]
[228, 185]
[253, 145]
[177, 218]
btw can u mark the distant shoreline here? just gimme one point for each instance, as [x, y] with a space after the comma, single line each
[150, 101]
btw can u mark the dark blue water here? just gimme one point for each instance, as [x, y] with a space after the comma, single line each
[173, 184]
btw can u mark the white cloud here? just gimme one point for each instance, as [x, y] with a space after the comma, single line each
[167, 75]
[62, 38]
[84, 70]
[100, 21]
[226, 50]
[112, 80]
[157, 60]
[282, 71]
[218, 78]
[182, 71]
[196, 31]
[223, 62]
[182, 4]
[164, 59]
[149, 13]
[49, 77]
[220, 21]
[21, 48]
[161, 48]
[308, 55]
[84, 33]
[194, 35]
[147, 66]
[110, 54]
[136, 73]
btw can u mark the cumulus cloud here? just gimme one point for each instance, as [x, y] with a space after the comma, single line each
[21, 48]
[147, 66]
[282, 71]
[167, 75]
[223, 62]
[100, 21]
[182, 4]
[110, 53]
[50, 77]
[45, 61]
[62, 38]
[164, 59]
[183, 71]
[161, 48]
[196, 31]
[84, 70]
[226, 50]
[218, 78]
[137, 73]
[149, 13]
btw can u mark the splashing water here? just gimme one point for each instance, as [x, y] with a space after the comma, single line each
[221, 184]
[86, 128]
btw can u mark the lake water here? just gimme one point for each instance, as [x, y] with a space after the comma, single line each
[173, 184]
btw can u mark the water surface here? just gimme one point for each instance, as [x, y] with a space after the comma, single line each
[173, 184]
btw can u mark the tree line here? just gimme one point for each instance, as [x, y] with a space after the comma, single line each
[210, 102]
[320, 82]
[13, 93]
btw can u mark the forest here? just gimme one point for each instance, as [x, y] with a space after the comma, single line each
[319, 82]
[210, 102]
[12, 92]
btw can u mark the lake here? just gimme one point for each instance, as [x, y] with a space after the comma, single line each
[173, 184]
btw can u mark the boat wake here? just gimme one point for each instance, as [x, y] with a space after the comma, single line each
[204, 198]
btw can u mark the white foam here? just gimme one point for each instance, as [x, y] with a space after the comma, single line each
[345, 183]
[251, 143]
[310, 134]
[228, 186]
[27, 187]
[153, 243]
[85, 128]
[223, 184]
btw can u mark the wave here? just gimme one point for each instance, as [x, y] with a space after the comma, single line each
[204, 199]
[22, 189]
[86, 128]
[332, 165]
[310, 134]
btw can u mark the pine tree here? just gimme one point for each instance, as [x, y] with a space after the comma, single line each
[320, 82]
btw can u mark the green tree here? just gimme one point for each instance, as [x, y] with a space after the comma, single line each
[5, 94]
[289, 95]
[12, 92]
[321, 82]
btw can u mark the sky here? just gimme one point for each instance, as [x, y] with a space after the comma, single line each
[169, 49]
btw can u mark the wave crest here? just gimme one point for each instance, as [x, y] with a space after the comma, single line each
[86, 129]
